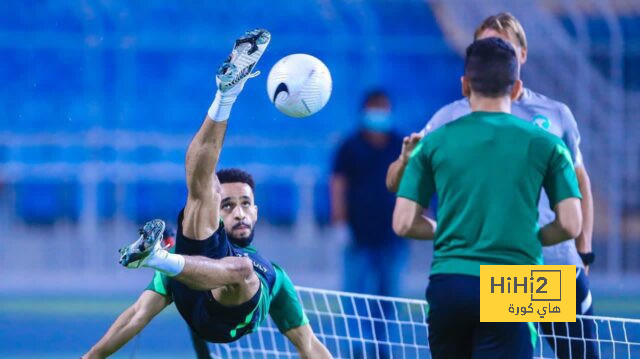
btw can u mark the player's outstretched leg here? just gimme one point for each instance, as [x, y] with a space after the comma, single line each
[236, 70]
[149, 250]
[243, 59]
[195, 271]
[138, 253]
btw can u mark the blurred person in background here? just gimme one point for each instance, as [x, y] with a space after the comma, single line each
[556, 118]
[359, 199]
[375, 256]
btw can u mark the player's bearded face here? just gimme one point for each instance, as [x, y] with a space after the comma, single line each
[241, 241]
[239, 212]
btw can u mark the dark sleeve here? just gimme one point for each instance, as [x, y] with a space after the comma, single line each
[286, 310]
[560, 180]
[343, 159]
[200, 346]
[417, 182]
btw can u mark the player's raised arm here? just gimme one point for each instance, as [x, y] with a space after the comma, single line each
[203, 201]
[288, 315]
[129, 323]
[396, 168]
[306, 343]
[415, 191]
[201, 214]
[571, 138]
[583, 241]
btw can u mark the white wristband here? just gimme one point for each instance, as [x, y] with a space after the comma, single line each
[221, 107]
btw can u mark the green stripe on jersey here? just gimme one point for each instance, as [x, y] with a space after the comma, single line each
[534, 334]
[246, 321]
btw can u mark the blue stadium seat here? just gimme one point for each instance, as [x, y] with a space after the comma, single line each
[413, 14]
[106, 200]
[4, 153]
[43, 202]
[104, 153]
[146, 200]
[176, 51]
[321, 203]
[278, 202]
[74, 154]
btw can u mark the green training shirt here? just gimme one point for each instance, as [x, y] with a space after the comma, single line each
[282, 303]
[488, 169]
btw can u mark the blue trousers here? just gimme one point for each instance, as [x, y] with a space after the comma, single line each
[375, 270]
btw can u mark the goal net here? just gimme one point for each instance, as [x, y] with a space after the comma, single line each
[365, 326]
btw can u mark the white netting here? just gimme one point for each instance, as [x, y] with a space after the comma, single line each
[363, 326]
[611, 338]
[350, 325]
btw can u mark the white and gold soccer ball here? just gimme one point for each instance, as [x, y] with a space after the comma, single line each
[299, 85]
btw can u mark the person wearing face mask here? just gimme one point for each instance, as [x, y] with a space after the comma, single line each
[359, 199]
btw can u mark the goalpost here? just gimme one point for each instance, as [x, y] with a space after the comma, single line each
[366, 326]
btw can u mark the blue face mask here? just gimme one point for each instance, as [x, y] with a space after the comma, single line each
[377, 120]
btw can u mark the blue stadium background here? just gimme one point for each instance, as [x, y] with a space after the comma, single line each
[100, 99]
[149, 70]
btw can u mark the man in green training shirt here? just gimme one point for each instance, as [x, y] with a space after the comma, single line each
[222, 287]
[488, 169]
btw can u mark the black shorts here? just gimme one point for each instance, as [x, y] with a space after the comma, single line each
[209, 319]
[455, 330]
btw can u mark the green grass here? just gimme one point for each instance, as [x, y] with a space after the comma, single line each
[64, 306]
[618, 307]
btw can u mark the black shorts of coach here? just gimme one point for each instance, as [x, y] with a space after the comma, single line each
[455, 330]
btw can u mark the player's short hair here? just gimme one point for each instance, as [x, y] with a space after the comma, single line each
[234, 175]
[506, 24]
[375, 96]
[491, 66]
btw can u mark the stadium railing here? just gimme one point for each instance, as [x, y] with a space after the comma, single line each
[365, 326]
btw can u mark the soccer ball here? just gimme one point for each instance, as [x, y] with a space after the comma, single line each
[299, 85]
